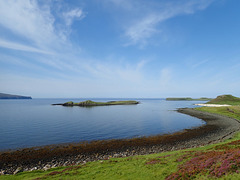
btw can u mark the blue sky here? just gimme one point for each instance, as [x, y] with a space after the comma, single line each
[120, 48]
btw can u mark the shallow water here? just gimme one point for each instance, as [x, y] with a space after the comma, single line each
[27, 123]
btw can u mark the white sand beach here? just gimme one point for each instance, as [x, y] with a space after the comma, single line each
[213, 105]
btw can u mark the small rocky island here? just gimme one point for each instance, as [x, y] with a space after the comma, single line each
[92, 103]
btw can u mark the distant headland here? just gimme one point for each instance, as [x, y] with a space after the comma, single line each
[92, 103]
[10, 96]
[225, 99]
[188, 99]
[221, 101]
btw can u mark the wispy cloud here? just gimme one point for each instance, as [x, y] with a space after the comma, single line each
[150, 16]
[126, 4]
[28, 20]
[35, 22]
[103, 80]
[69, 16]
[142, 30]
[128, 73]
[21, 47]
[33, 26]
[199, 63]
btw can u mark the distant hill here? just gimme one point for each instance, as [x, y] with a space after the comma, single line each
[188, 99]
[225, 99]
[10, 96]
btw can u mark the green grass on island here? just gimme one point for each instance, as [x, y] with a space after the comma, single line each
[93, 103]
[232, 111]
[225, 99]
[221, 161]
[188, 99]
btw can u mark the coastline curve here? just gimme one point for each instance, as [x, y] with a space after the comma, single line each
[217, 128]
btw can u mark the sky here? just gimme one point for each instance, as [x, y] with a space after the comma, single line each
[120, 48]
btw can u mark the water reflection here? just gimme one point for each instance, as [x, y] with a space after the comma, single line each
[36, 122]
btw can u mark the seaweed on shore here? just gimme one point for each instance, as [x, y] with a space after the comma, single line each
[46, 153]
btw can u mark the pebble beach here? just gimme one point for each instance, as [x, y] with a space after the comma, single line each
[216, 129]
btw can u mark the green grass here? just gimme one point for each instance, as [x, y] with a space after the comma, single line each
[221, 160]
[154, 166]
[225, 99]
[231, 111]
[92, 103]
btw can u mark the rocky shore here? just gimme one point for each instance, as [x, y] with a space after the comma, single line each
[216, 129]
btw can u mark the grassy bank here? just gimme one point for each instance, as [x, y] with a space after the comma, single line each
[220, 160]
[230, 111]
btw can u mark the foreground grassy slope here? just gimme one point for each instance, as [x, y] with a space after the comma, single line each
[225, 99]
[220, 160]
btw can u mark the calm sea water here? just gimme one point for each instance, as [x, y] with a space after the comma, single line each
[28, 123]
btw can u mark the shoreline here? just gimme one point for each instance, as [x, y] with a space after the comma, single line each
[217, 128]
[213, 105]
